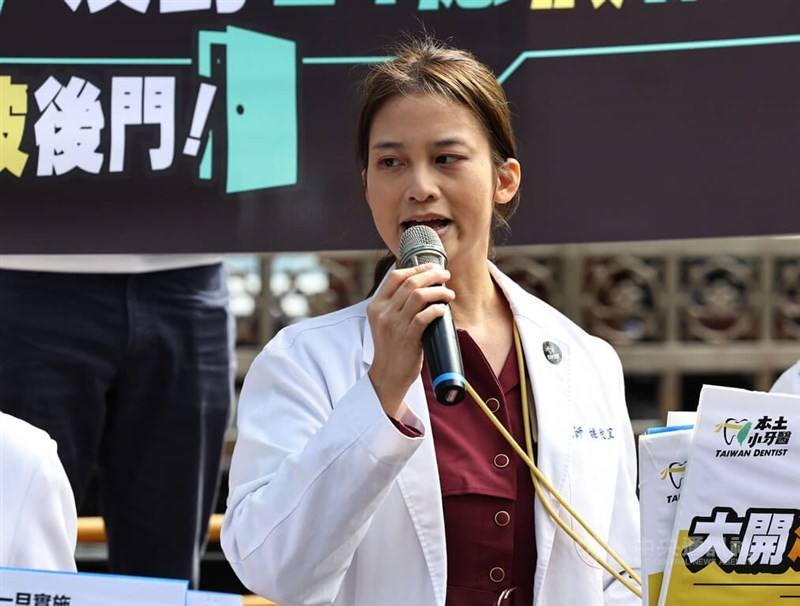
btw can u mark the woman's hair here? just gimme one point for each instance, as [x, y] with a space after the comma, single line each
[424, 65]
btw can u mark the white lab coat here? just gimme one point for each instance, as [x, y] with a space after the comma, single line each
[38, 521]
[330, 504]
[789, 381]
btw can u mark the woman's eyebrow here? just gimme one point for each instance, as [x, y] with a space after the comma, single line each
[450, 141]
[447, 142]
[387, 145]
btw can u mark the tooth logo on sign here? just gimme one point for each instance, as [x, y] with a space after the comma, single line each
[734, 429]
[675, 473]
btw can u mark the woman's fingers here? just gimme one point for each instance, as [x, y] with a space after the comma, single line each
[412, 290]
[409, 300]
[404, 281]
[422, 297]
[423, 318]
[435, 276]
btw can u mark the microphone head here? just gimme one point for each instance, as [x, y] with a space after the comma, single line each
[420, 244]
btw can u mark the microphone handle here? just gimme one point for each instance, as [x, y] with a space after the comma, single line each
[443, 357]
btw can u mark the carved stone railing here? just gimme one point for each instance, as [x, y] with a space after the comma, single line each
[680, 313]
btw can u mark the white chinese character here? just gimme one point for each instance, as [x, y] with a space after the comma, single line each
[229, 6]
[99, 5]
[223, 6]
[765, 538]
[166, 6]
[136, 101]
[68, 131]
[159, 108]
[715, 532]
[176, 6]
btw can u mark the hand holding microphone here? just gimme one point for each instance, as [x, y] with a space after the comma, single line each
[410, 308]
[420, 244]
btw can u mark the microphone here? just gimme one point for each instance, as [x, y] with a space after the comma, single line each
[419, 244]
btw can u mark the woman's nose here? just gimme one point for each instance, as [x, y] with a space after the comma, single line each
[422, 186]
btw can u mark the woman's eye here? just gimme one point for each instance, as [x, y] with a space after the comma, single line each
[446, 159]
[389, 162]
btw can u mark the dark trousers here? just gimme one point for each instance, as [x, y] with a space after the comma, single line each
[132, 372]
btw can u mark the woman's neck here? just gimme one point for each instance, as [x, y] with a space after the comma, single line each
[478, 300]
[481, 309]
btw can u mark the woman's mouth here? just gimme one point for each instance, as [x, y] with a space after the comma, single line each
[438, 225]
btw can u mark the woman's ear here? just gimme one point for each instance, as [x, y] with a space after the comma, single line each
[364, 181]
[509, 174]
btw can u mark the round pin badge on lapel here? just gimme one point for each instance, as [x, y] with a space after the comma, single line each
[552, 352]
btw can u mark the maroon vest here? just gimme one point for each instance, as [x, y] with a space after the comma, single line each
[486, 488]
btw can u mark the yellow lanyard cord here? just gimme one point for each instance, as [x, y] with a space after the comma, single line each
[539, 480]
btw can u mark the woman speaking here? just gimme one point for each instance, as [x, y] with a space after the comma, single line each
[350, 484]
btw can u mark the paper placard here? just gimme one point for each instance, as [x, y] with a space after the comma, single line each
[662, 466]
[20, 587]
[681, 417]
[209, 598]
[736, 538]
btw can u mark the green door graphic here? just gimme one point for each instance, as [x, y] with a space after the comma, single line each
[261, 107]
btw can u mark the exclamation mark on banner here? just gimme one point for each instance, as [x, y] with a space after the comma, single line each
[201, 110]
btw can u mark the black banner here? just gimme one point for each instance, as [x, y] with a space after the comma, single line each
[228, 125]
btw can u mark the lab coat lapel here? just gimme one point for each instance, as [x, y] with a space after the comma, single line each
[551, 385]
[419, 483]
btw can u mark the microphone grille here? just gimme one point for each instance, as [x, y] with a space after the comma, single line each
[420, 244]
